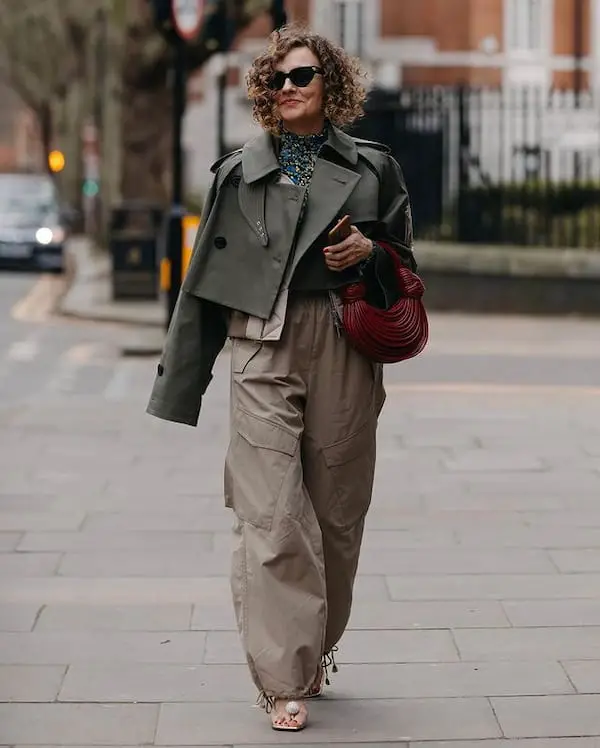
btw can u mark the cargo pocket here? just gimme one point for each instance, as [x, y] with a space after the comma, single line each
[242, 352]
[260, 455]
[379, 394]
[351, 463]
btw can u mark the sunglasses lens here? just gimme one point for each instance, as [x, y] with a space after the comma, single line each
[277, 81]
[301, 77]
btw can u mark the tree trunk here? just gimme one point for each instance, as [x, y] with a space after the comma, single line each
[147, 127]
[68, 116]
[45, 123]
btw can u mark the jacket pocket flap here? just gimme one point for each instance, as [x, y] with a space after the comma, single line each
[263, 434]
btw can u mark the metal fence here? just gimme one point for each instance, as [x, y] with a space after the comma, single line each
[495, 166]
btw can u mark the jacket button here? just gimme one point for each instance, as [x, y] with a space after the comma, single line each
[161, 370]
[220, 242]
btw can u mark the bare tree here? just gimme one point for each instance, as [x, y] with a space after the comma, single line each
[103, 61]
[43, 57]
[147, 106]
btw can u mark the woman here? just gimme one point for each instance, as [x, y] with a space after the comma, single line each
[304, 403]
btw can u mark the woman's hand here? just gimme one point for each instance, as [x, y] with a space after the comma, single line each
[352, 250]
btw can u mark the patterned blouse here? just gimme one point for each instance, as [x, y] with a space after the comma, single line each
[298, 155]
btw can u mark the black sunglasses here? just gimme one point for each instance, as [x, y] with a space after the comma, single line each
[300, 77]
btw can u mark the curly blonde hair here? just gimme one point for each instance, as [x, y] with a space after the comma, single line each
[343, 77]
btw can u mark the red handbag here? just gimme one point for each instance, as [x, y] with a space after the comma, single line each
[387, 335]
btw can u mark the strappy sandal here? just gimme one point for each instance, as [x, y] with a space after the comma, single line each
[322, 679]
[318, 685]
[285, 723]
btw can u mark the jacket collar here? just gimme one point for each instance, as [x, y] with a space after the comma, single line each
[259, 155]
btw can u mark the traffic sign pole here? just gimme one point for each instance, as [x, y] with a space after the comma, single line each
[187, 18]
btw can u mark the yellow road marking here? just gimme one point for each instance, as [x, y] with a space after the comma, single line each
[40, 302]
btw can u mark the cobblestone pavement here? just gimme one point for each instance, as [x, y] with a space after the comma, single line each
[477, 615]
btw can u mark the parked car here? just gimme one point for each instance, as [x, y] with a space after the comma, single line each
[33, 227]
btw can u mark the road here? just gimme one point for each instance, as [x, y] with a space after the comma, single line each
[477, 613]
[43, 356]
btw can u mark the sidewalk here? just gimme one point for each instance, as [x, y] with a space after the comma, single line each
[477, 614]
[89, 298]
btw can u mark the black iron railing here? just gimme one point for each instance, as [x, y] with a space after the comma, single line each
[495, 166]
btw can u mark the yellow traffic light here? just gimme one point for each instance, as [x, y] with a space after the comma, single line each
[56, 161]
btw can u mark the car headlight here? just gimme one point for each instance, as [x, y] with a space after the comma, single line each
[49, 236]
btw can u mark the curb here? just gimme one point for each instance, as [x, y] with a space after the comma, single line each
[514, 261]
[89, 294]
[147, 343]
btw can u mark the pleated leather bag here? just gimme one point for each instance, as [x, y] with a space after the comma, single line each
[387, 335]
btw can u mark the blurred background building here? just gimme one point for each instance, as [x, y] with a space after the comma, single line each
[20, 146]
[544, 45]
[492, 107]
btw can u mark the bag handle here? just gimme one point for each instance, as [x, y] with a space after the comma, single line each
[410, 283]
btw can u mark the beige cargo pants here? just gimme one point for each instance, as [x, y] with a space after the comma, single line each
[299, 476]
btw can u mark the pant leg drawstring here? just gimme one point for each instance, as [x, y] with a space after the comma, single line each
[265, 702]
[327, 661]
[337, 321]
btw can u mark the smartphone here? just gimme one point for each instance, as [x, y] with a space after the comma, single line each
[340, 231]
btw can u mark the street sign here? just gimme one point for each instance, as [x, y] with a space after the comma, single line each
[187, 17]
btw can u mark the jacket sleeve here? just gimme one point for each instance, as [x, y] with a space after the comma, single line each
[395, 229]
[196, 335]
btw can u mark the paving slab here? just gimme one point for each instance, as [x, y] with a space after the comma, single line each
[26, 521]
[355, 647]
[9, 540]
[171, 563]
[564, 643]
[15, 565]
[66, 647]
[429, 615]
[546, 537]
[540, 613]
[77, 724]
[114, 618]
[27, 503]
[553, 716]
[138, 591]
[30, 683]
[179, 522]
[336, 721]
[485, 461]
[158, 683]
[18, 617]
[584, 674]
[576, 561]
[525, 743]
[416, 537]
[494, 587]
[214, 618]
[457, 561]
[90, 542]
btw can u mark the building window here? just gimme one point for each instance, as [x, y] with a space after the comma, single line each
[348, 22]
[526, 25]
[354, 24]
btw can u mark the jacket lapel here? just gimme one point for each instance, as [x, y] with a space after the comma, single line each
[258, 162]
[330, 187]
[252, 202]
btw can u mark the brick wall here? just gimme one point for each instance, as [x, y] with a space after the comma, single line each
[455, 28]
